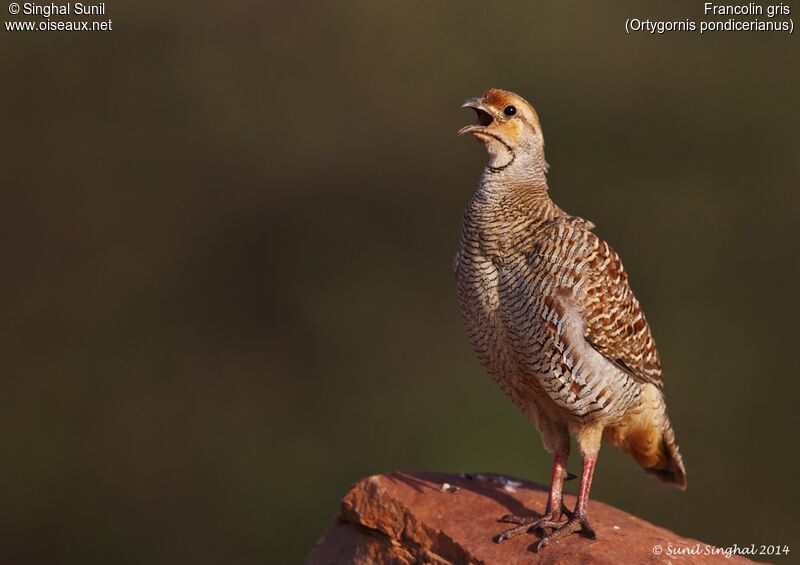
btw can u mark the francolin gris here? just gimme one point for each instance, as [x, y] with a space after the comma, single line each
[551, 317]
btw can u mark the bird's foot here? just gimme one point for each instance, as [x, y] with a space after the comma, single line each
[575, 524]
[529, 524]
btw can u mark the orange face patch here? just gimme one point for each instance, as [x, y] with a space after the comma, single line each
[498, 98]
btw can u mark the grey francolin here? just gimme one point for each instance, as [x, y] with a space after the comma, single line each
[551, 317]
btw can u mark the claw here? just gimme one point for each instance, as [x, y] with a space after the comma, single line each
[541, 544]
[575, 524]
[528, 524]
[502, 537]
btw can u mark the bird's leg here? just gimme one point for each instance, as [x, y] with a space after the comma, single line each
[555, 505]
[579, 521]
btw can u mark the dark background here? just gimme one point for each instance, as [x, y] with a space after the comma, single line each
[227, 243]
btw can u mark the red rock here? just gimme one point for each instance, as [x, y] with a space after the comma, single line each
[405, 518]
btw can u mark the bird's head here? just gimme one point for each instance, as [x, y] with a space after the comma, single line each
[510, 129]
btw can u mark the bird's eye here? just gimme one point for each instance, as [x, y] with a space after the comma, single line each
[509, 110]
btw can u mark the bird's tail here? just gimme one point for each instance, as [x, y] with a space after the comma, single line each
[669, 467]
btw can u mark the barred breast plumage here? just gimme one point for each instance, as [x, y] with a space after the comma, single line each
[543, 297]
[551, 316]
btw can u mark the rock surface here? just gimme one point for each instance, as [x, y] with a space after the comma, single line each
[405, 518]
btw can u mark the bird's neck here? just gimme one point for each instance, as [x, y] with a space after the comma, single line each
[523, 180]
[515, 198]
[507, 213]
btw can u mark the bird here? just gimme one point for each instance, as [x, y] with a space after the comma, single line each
[550, 314]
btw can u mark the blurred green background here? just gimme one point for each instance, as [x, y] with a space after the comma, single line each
[227, 243]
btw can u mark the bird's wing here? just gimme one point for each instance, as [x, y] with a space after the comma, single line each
[614, 322]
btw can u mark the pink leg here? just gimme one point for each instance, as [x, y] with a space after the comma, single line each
[552, 516]
[579, 521]
[554, 501]
[582, 505]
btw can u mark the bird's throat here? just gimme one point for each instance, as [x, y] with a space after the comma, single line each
[501, 154]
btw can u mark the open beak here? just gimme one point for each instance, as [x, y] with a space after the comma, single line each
[484, 117]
